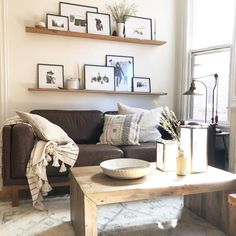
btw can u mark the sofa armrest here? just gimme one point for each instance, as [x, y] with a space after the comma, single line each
[18, 142]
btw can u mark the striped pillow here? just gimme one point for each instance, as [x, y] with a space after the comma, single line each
[121, 129]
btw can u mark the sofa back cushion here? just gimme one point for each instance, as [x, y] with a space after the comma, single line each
[81, 125]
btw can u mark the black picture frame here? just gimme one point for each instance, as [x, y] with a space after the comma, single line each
[58, 23]
[138, 27]
[141, 85]
[98, 23]
[76, 14]
[99, 77]
[50, 76]
[124, 71]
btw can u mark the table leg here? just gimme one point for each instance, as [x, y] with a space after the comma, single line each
[232, 214]
[211, 206]
[83, 211]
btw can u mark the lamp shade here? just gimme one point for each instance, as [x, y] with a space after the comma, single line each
[191, 90]
[193, 142]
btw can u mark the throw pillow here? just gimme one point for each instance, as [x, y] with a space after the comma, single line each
[149, 121]
[121, 130]
[44, 129]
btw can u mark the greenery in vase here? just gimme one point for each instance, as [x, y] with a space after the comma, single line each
[170, 123]
[119, 10]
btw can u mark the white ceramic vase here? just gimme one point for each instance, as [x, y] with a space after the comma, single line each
[120, 29]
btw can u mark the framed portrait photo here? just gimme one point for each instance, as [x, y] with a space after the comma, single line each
[138, 27]
[141, 84]
[98, 77]
[76, 14]
[124, 71]
[56, 22]
[98, 23]
[50, 76]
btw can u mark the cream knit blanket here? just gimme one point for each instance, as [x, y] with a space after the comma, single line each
[42, 154]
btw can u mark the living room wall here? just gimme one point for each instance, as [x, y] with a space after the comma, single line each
[24, 50]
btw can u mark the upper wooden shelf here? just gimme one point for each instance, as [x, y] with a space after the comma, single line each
[93, 91]
[93, 36]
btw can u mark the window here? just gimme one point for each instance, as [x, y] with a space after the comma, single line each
[205, 63]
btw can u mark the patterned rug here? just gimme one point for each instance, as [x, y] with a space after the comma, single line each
[144, 218]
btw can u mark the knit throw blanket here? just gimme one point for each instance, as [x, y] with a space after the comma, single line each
[44, 153]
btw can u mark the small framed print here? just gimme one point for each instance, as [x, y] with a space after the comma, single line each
[76, 14]
[124, 71]
[56, 22]
[50, 76]
[141, 84]
[138, 27]
[98, 23]
[99, 77]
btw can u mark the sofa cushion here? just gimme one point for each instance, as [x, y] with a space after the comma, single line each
[145, 151]
[149, 121]
[45, 129]
[94, 154]
[121, 130]
[81, 125]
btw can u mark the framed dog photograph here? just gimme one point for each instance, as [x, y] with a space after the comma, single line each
[56, 22]
[76, 14]
[141, 84]
[124, 71]
[98, 23]
[98, 77]
[50, 76]
[138, 27]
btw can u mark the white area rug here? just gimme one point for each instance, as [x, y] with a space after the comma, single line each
[146, 218]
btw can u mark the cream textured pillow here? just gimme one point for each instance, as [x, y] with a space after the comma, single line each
[121, 130]
[45, 129]
[149, 121]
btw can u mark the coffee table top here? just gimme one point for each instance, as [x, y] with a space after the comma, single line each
[104, 190]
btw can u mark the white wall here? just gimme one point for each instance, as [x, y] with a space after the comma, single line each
[25, 50]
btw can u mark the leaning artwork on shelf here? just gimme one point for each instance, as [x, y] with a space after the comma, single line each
[141, 84]
[56, 22]
[76, 14]
[98, 23]
[99, 77]
[50, 76]
[124, 71]
[138, 27]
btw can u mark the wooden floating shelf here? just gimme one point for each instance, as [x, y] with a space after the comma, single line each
[93, 36]
[93, 91]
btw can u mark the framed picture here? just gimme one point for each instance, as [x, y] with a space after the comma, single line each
[76, 14]
[98, 23]
[99, 77]
[141, 84]
[50, 76]
[138, 27]
[56, 22]
[124, 71]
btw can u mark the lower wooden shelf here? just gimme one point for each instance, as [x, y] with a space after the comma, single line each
[93, 91]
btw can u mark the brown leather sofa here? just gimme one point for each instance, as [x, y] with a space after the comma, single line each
[84, 127]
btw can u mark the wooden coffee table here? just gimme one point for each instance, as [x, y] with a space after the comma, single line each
[206, 194]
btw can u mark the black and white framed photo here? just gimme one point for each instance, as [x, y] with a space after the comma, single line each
[98, 77]
[141, 84]
[76, 14]
[98, 23]
[50, 76]
[124, 71]
[56, 22]
[138, 27]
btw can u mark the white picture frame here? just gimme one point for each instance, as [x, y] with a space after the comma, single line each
[98, 77]
[98, 23]
[138, 27]
[76, 14]
[50, 76]
[56, 22]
